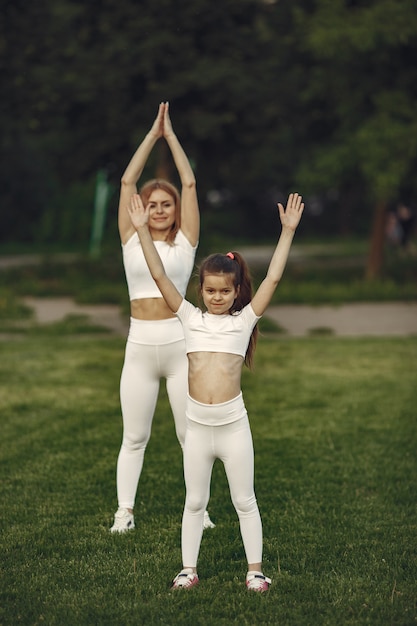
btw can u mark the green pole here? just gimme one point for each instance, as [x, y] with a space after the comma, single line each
[99, 214]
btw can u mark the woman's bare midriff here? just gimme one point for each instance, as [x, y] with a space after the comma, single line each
[150, 309]
[214, 377]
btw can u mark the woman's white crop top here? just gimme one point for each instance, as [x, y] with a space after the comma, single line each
[205, 332]
[177, 259]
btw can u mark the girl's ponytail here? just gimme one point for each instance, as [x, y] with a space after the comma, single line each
[243, 298]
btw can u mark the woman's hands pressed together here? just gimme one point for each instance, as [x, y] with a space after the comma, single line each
[162, 126]
[167, 128]
[157, 129]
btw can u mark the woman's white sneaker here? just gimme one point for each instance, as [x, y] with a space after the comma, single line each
[207, 523]
[123, 521]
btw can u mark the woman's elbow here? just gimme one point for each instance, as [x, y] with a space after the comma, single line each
[126, 181]
[189, 183]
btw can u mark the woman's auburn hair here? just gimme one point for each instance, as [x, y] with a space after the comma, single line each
[159, 183]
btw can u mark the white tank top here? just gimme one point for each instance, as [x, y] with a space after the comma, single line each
[205, 332]
[177, 259]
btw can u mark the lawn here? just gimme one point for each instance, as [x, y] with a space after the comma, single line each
[334, 427]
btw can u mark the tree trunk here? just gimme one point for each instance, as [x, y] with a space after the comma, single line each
[376, 247]
[164, 163]
[348, 200]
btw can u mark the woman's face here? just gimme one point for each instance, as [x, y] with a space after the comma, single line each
[161, 212]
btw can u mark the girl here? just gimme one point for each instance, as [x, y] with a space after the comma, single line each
[218, 342]
[155, 346]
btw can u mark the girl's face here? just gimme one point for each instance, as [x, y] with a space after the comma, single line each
[219, 293]
[161, 212]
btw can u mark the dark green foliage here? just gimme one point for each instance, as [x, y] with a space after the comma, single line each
[264, 96]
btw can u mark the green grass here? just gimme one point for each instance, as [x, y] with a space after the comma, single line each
[334, 427]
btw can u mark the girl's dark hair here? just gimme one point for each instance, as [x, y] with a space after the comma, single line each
[159, 183]
[233, 263]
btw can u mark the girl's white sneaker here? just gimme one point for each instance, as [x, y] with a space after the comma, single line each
[256, 581]
[185, 579]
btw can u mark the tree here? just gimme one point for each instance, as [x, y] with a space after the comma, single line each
[263, 95]
[362, 96]
[85, 90]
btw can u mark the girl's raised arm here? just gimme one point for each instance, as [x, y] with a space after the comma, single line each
[290, 218]
[139, 217]
[134, 171]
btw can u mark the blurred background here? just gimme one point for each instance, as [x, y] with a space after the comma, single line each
[266, 96]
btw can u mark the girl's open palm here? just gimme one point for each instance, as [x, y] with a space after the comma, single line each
[291, 215]
[139, 215]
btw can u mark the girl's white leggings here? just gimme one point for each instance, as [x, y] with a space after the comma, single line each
[154, 350]
[232, 443]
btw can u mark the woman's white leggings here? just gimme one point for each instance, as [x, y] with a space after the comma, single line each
[154, 350]
[232, 444]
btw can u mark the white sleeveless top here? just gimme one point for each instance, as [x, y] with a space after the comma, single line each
[205, 332]
[177, 259]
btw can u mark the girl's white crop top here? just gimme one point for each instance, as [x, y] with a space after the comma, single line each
[205, 332]
[177, 259]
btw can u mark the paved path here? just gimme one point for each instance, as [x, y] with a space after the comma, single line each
[350, 320]
[354, 320]
[49, 310]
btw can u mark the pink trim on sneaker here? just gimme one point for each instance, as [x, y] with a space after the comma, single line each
[256, 581]
[185, 580]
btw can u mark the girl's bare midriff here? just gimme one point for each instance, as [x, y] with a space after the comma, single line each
[150, 309]
[214, 377]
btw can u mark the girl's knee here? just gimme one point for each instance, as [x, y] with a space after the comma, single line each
[195, 506]
[246, 506]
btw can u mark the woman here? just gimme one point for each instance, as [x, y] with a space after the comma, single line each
[155, 346]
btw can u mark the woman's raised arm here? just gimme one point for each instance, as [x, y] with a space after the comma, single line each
[134, 171]
[190, 216]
